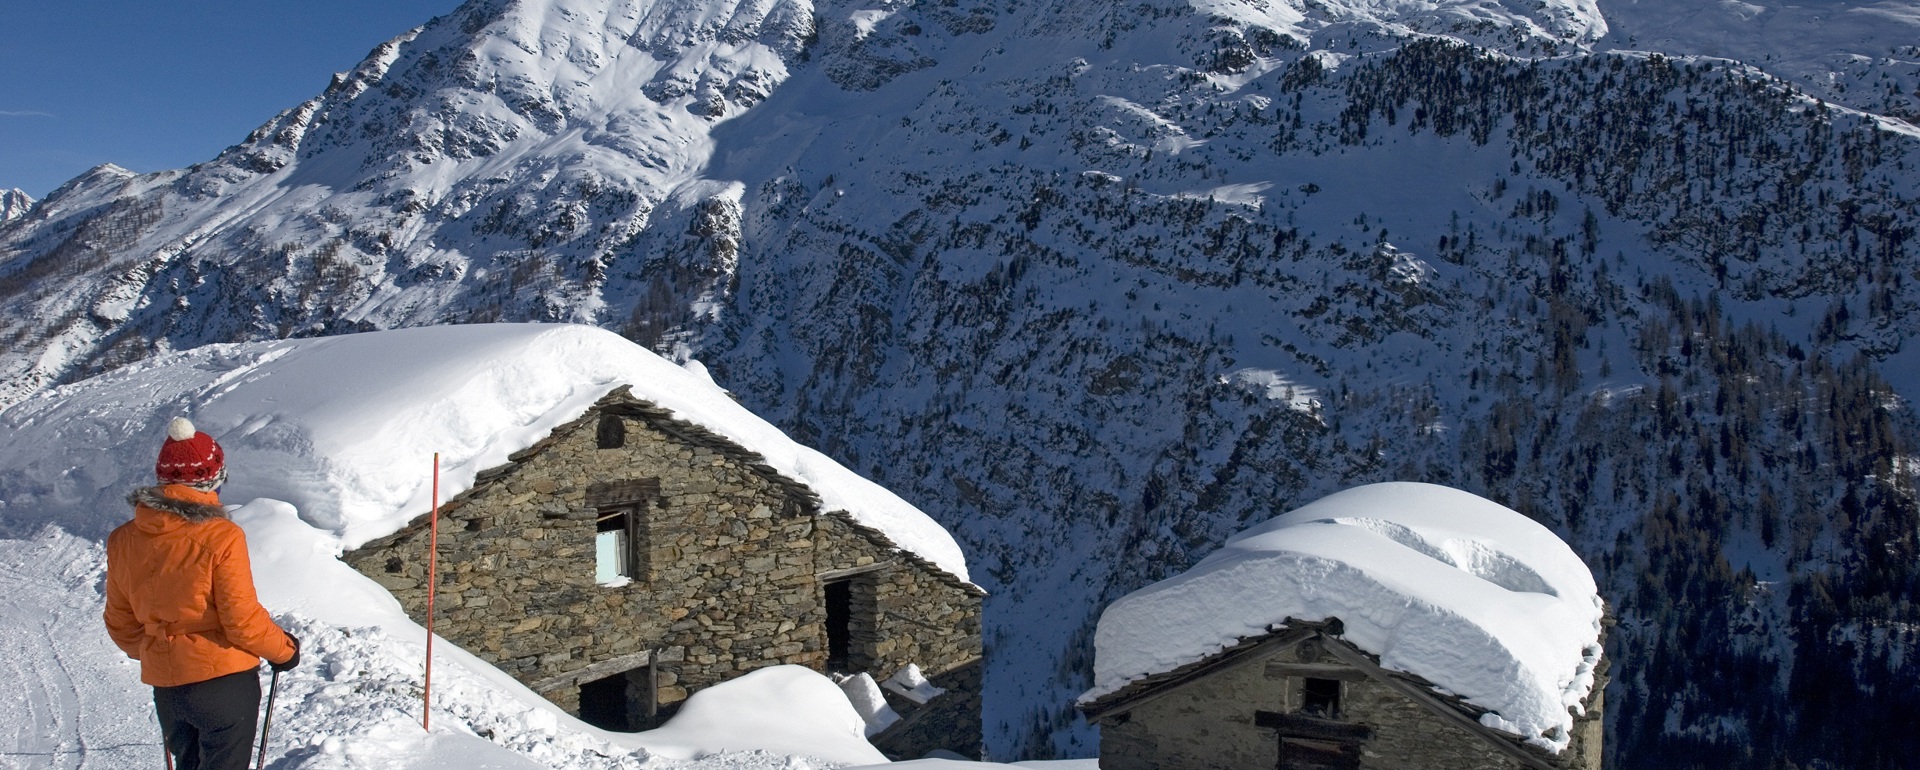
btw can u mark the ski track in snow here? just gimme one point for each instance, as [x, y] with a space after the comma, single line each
[76, 700]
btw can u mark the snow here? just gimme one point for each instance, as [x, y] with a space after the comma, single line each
[345, 428]
[865, 21]
[869, 702]
[14, 204]
[354, 701]
[1476, 598]
[1575, 19]
[785, 709]
[913, 685]
[328, 441]
[74, 699]
[1237, 194]
[1275, 386]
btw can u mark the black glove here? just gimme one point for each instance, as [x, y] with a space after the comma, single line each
[290, 662]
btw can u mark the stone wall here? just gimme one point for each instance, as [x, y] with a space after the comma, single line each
[922, 615]
[1212, 722]
[731, 576]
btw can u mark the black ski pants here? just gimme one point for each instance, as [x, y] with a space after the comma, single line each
[209, 725]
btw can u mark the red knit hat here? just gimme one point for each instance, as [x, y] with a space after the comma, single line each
[190, 457]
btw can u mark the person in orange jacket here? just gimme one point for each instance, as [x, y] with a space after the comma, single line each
[180, 600]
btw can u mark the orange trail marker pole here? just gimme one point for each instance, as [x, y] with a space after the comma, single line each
[433, 560]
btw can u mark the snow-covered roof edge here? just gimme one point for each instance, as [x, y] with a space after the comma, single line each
[344, 427]
[699, 435]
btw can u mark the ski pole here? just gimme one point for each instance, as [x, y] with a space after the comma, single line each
[272, 690]
[164, 750]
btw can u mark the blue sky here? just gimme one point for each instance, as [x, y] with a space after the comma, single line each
[159, 84]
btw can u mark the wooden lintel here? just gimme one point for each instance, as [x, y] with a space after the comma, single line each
[842, 574]
[604, 494]
[606, 668]
[1296, 726]
[1276, 669]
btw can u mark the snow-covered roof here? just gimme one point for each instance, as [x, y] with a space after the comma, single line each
[1472, 596]
[345, 428]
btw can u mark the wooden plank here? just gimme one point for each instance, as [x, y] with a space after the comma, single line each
[1277, 669]
[1353, 657]
[625, 492]
[604, 669]
[1296, 726]
[1308, 754]
[842, 574]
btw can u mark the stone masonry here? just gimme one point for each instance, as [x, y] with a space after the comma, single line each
[731, 563]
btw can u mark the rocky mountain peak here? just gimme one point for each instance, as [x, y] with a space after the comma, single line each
[14, 204]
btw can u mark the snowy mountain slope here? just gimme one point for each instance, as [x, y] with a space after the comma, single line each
[1099, 285]
[397, 194]
[509, 160]
[1082, 298]
[1863, 55]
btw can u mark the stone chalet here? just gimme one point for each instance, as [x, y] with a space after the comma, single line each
[630, 559]
[1303, 697]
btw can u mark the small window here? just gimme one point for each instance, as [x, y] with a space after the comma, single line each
[1320, 698]
[618, 553]
[612, 433]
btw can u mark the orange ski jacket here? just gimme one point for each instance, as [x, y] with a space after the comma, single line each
[180, 593]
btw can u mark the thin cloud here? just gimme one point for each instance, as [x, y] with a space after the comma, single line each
[24, 114]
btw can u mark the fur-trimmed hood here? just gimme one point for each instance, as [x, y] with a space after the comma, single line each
[172, 498]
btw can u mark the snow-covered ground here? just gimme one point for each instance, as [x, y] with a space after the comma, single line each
[1476, 598]
[355, 701]
[329, 443]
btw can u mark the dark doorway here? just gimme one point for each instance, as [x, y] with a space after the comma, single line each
[839, 625]
[617, 702]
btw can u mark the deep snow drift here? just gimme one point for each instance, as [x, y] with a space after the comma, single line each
[1440, 583]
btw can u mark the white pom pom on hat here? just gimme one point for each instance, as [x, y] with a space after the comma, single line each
[190, 457]
[180, 429]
